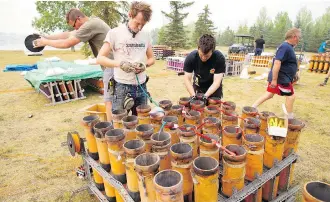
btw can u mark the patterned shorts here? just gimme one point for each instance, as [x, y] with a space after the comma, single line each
[281, 89]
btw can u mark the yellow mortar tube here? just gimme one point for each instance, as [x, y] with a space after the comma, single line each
[207, 148]
[169, 127]
[181, 161]
[161, 143]
[143, 114]
[117, 116]
[144, 132]
[168, 186]
[188, 135]
[132, 149]
[233, 169]
[146, 166]
[205, 174]
[88, 123]
[130, 123]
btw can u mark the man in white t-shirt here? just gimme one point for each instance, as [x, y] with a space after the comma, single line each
[132, 51]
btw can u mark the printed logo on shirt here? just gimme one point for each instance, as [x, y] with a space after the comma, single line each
[131, 47]
[196, 81]
[135, 45]
[212, 71]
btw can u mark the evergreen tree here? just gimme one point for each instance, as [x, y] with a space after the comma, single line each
[161, 35]
[227, 37]
[175, 34]
[204, 25]
[320, 31]
[282, 24]
[243, 29]
[304, 22]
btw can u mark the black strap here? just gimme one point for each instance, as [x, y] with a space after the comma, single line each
[131, 31]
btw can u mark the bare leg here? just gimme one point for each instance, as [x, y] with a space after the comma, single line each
[326, 79]
[263, 98]
[108, 107]
[289, 105]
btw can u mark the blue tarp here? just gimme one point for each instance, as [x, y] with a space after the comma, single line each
[20, 67]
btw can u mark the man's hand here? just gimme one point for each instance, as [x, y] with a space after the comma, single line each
[204, 99]
[127, 66]
[139, 67]
[273, 84]
[192, 98]
[39, 42]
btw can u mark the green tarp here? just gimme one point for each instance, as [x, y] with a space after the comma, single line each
[72, 72]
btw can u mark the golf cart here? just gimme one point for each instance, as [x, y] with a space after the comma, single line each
[243, 44]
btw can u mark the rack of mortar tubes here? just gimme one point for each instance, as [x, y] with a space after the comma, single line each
[76, 145]
[249, 188]
[269, 175]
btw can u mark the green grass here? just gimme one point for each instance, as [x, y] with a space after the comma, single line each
[35, 167]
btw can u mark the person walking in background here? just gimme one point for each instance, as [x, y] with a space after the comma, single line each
[323, 47]
[86, 29]
[283, 71]
[259, 46]
[326, 79]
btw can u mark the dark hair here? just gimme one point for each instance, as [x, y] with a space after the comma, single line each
[73, 14]
[206, 43]
[261, 36]
[142, 7]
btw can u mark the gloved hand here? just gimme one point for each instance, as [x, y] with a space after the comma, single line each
[127, 67]
[204, 99]
[139, 67]
[192, 98]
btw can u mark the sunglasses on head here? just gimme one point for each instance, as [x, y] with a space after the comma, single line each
[74, 24]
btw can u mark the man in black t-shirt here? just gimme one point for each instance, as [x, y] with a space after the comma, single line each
[259, 45]
[208, 66]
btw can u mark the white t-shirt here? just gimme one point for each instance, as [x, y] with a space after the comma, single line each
[127, 48]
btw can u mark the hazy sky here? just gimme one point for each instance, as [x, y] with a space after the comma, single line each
[16, 15]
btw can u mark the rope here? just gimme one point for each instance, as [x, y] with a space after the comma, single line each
[162, 127]
[145, 93]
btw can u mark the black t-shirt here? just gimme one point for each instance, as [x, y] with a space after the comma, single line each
[204, 71]
[260, 43]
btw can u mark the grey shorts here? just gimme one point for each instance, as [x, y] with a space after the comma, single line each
[107, 75]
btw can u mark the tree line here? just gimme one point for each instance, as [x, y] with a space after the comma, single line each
[313, 31]
[177, 35]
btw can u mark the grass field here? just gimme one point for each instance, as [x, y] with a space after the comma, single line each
[34, 166]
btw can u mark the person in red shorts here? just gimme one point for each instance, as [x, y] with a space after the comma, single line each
[283, 71]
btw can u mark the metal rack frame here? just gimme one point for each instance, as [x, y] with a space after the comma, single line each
[253, 186]
[250, 187]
